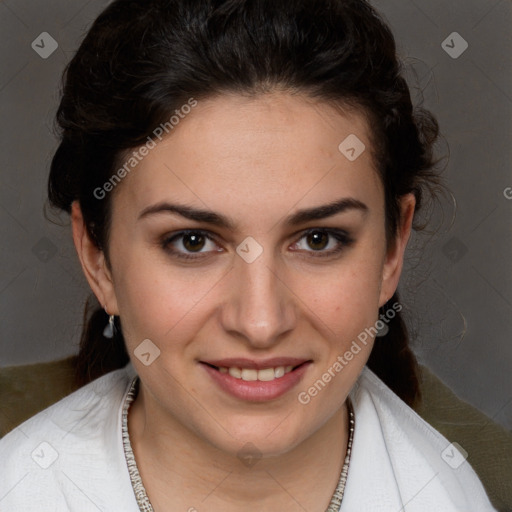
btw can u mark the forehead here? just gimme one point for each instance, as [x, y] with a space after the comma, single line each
[261, 152]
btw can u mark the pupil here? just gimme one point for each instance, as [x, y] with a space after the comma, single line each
[193, 242]
[317, 240]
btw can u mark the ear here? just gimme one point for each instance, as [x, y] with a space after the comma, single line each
[395, 254]
[93, 262]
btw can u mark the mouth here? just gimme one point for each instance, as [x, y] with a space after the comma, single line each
[267, 374]
[256, 380]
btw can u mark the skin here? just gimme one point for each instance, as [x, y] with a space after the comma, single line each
[256, 161]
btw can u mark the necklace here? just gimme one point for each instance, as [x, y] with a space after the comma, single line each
[138, 486]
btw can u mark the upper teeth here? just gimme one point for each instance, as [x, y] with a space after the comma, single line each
[250, 374]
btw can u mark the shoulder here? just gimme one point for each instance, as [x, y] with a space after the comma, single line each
[69, 451]
[77, 414]
[396, 453]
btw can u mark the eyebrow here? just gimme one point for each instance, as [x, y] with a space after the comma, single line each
[300, 217]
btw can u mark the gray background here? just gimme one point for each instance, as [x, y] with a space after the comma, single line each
[458, 282]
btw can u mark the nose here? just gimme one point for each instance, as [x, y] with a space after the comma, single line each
[261, 307]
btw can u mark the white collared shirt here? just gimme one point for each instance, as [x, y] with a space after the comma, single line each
[70, 458]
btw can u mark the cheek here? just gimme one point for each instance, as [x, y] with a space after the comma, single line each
[157, 301]
[347, 297]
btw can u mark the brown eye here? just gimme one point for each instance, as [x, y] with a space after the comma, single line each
[317, 240]
[193, 242]
[190, 244]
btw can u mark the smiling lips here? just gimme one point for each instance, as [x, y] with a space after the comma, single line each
[249, 370]
[256, 380]
[249, 374]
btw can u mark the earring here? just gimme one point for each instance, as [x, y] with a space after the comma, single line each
[110, 329]
[384, 328]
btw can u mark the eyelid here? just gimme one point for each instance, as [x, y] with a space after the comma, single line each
[342, 236]
[168, 239]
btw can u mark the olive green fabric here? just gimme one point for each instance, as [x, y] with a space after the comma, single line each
[489, 445]
[26, 390]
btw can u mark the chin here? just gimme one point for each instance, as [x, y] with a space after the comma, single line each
[259, 437]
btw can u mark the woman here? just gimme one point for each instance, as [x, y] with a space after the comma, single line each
[242, 179]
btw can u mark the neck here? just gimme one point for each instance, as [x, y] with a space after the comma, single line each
[182, 471]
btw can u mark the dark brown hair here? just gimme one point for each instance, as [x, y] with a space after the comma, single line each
[140, 61]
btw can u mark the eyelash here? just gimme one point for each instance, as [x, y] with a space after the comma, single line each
[342, 237]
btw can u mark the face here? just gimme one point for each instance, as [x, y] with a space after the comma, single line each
[247, 244]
